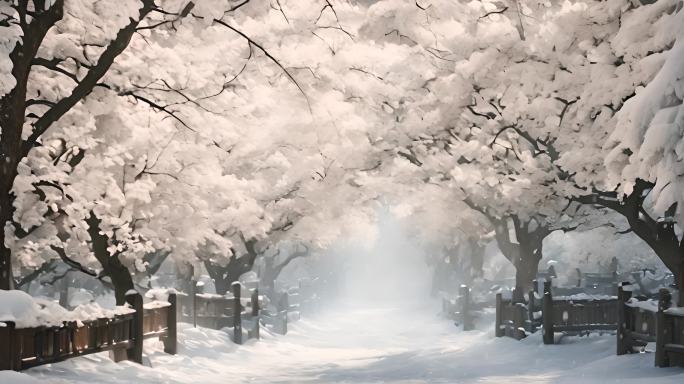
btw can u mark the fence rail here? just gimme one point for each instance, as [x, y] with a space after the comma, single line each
[571, 315]
[464, 309]
[636, 322]
[216, 312]
[670, 333]
[517, 319]
[23, 348]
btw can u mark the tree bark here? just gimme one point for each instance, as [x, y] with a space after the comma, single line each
[12, 117]
[476, 258]
[224, 276]
[111, 264]
[526, 253]
[526, 270]
[272, 270]
[35, 24]
[660, 235]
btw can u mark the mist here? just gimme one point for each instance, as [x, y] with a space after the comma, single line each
[391, 268]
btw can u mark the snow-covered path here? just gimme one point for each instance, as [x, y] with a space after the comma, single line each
[407, 344]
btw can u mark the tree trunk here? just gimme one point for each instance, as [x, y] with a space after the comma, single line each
[679, 280]
[64, 290]
[476, 259]
[224, 276]
[121, 279]
[111, 264]
[272, 269]
[9, 148]
[526, 271]
[660, 235]
[526, 252]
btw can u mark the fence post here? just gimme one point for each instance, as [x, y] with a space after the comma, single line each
[530, 310]
[255, 311]
[624, 342]
[171, 340]
[64, 291]
[662, 331]
[547, 314]
[9, 350]
[465, 308]
[283, 308]
[517, 295]
[498, 331]
[193, 296]
[135, 352]
[237, 313]
[284, 303]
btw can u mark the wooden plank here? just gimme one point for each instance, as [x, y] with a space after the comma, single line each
[135, 352]
[584, 327]
[499, 330]
[662, 329]
[171, 339]
[547, 314]
[237, 310]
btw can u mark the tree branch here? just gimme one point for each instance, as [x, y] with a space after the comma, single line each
[86, 85]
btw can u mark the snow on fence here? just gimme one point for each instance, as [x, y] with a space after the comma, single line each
[122, 335]
[307, 294]
[644, 321]
[463, 309]
[217, 311]
[599, 283]
[516, 318]
[637, 318]
[576, 314]
[289, 303]
[669, 332]
[276, 317]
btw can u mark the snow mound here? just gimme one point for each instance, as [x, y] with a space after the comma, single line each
[11, 377]
[647, 305]
[16, 306]
[80, 297]
[159, 294]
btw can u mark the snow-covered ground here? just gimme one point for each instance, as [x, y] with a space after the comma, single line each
[388, 343]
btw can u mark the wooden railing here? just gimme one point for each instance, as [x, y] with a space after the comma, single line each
[515, 317]
[277, 318]
[464, 309]
[22, 348]
[572, 315]
[216, 312]
[636, 321]
[670, 333]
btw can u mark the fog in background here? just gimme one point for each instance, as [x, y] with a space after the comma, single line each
[391, 268]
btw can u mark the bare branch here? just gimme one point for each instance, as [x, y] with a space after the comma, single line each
[265, 52]
[86, 85]
[496, 12]
[73, 263]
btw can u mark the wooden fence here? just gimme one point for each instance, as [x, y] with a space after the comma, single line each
[22, 348]
[464, 309]
[516, 318]
[276, 317]
[636, 321]
[216, 312]
[576, 316]
[303, 297]
[669, 333]
[599, 283]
